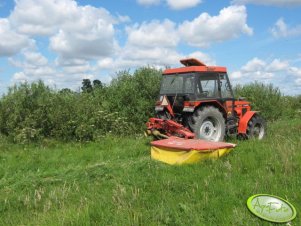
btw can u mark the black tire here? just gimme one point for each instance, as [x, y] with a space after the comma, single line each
[209, 124]
[256, 128]
[189, 121]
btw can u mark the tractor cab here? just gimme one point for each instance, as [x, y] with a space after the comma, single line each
[197, 85]
[195, 82]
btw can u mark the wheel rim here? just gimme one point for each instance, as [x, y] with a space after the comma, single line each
[210, 129]
[258, 131]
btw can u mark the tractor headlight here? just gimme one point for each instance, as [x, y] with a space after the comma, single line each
[188, 109]
[159, 108]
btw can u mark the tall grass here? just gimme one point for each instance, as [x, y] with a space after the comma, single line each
[114, 182]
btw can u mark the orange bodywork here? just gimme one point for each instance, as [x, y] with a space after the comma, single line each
[194, 65]
[243, 122]
[240, 107]
[194, 69]
[243, 111]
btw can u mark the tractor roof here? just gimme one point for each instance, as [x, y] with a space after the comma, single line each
[194, 65]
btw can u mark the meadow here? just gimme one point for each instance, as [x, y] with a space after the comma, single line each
[114, 182]
[79, 158]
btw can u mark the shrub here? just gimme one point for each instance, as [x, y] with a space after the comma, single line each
[268, 100]
[31, 112]
[134, 95]
[24, 110]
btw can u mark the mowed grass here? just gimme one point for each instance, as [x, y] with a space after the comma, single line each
[114, 182]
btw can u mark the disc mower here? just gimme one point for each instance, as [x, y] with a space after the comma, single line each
[197, 102]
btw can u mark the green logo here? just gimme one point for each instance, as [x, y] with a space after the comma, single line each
[271, 208]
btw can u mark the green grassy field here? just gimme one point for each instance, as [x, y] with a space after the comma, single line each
[114, 182]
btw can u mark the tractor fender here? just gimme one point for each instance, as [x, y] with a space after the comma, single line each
[243, 122]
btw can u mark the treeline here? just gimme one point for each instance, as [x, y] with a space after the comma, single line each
[268, 99]
[32, 112]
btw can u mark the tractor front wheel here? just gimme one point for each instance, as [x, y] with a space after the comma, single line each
[256, 128]
[209, 124]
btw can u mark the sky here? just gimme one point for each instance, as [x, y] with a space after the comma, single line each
[64, 41]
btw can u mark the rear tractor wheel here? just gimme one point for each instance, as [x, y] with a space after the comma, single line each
[256, 128]
[209, 124]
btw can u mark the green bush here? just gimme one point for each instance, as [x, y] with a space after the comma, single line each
[268, 100]
[23, 111]
[134, 95]
[31, 112]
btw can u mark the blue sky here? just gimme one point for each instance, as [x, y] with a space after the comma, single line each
[65, 41]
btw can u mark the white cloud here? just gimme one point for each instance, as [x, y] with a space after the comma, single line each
[75, 31]
[35, 58]
[42, 17]
[295, 71]
[254, 65]
[20, 77]
[182, 4]
[236, 75]
[153, 34]
[10, 41]
[77, 34]
[34, 66]
[158, 57]
[278, 65]
[106, 63]
[173, 4]
[92, 37]
[205, 58]
[124, 19]
[258, 69]
[281, 29]
[152, 44]
[78, 69]
[148, 2]
[281, 73]
[269, 2]
[84, 39]
[205, 29]
[298, 82]
[78, 45]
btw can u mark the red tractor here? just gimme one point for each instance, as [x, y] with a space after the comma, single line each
[197, 101]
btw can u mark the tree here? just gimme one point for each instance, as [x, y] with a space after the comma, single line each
[86, 86]
[66, 90]
[97, 84]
